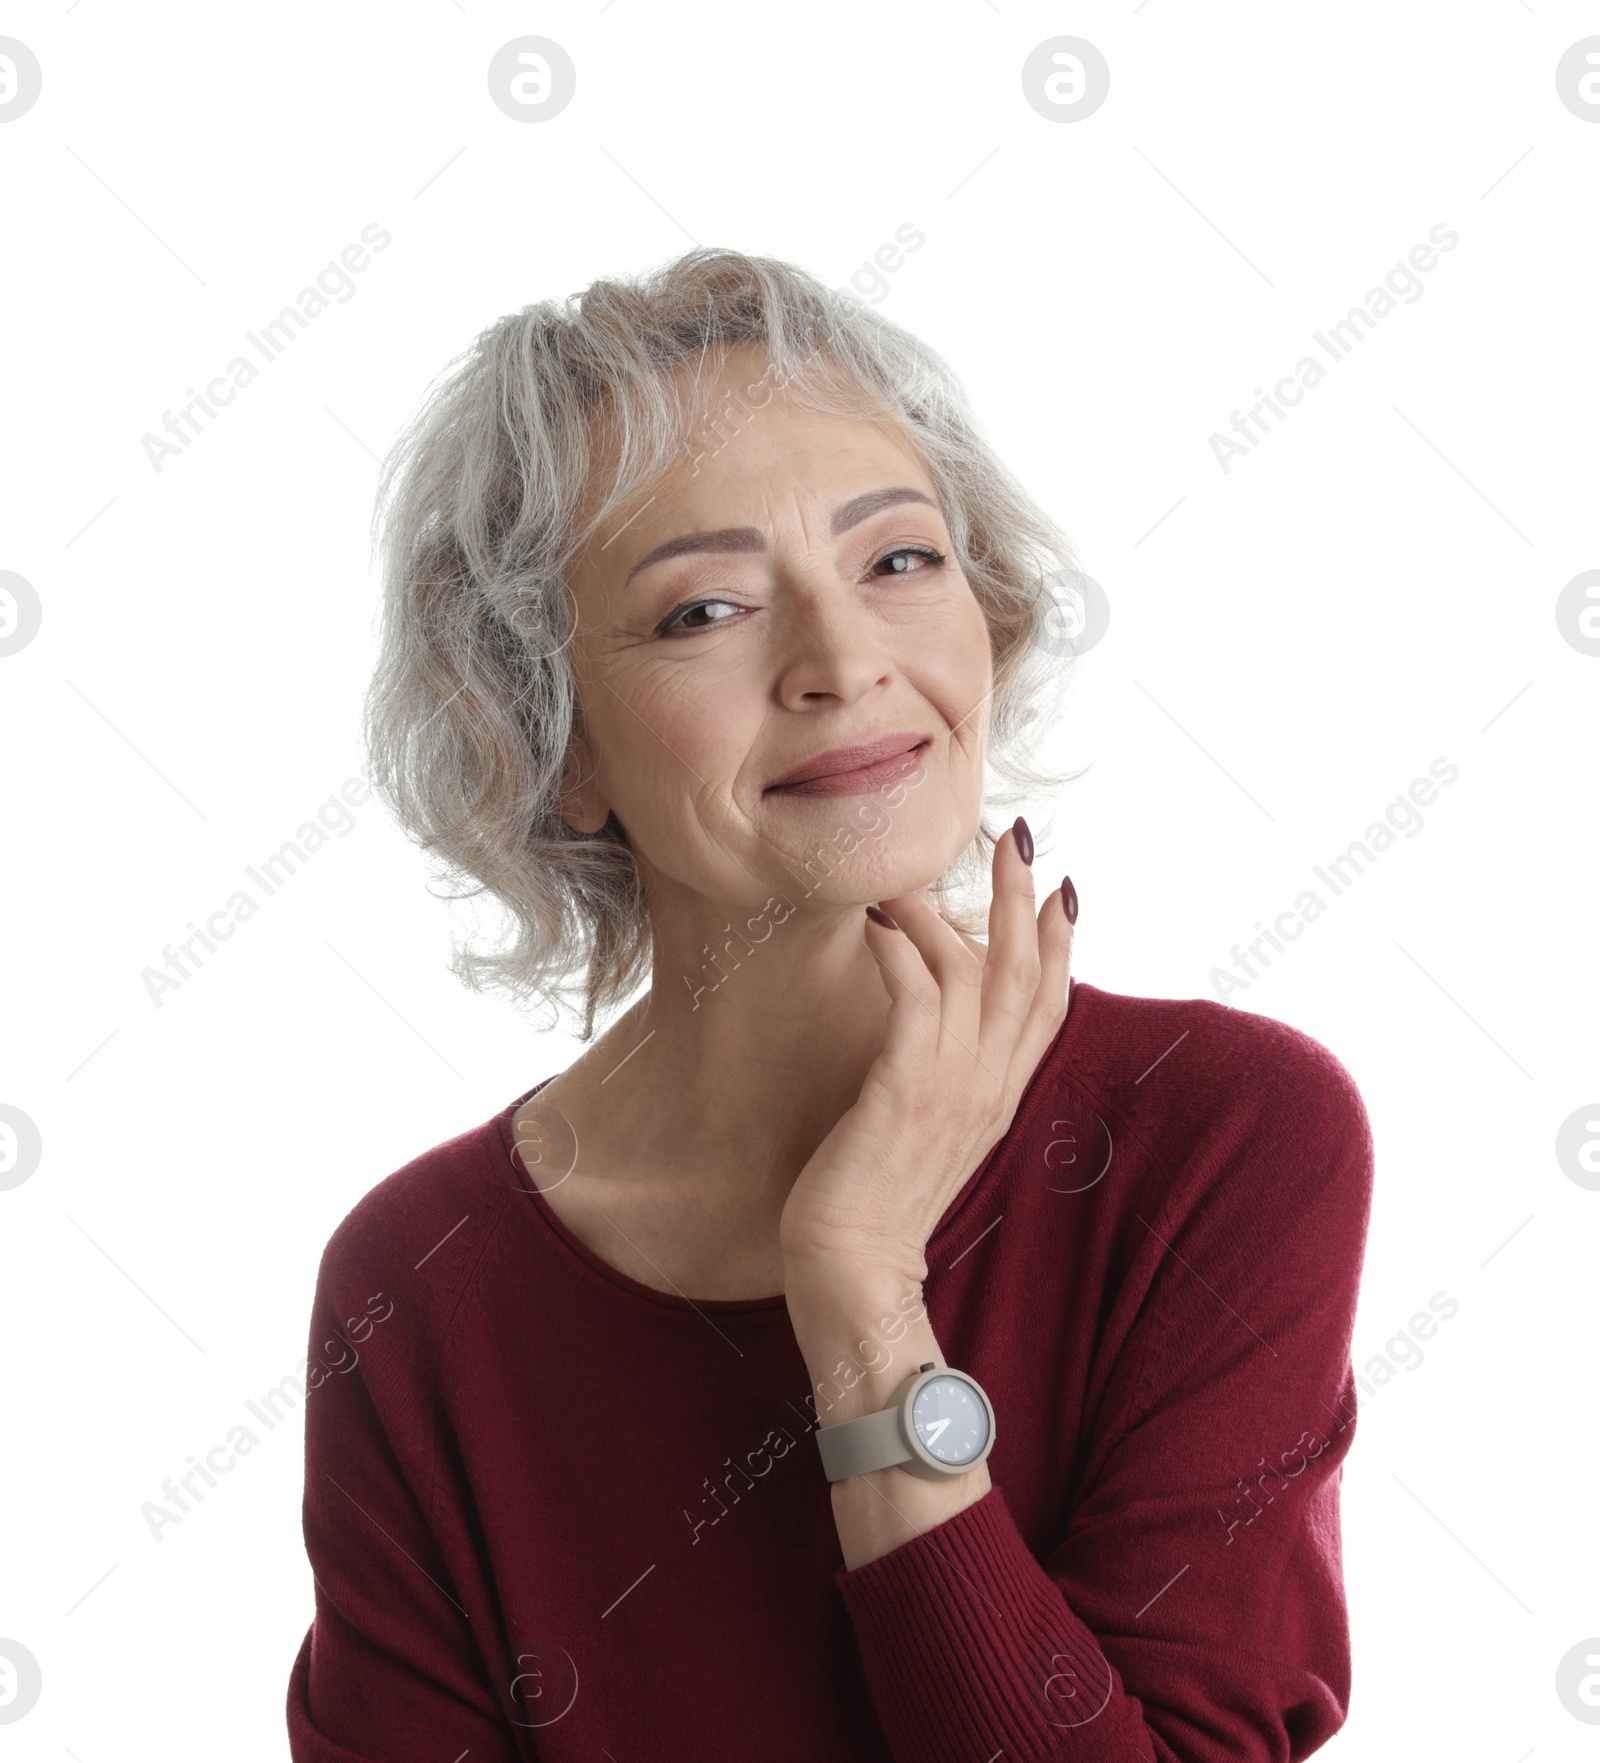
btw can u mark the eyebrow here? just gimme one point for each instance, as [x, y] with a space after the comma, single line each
[749, 539]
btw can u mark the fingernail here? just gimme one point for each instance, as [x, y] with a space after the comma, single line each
[1024, 840]
[878, 916]
[1069, 899]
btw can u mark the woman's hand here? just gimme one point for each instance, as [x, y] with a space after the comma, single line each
[966, 1028]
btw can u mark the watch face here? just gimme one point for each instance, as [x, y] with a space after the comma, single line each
[950, 1420]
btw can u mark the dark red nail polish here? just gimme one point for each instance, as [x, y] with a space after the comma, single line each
[1024, 840]
[879, 916]
[1069, 899]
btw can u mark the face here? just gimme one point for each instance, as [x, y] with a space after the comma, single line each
[791, 598]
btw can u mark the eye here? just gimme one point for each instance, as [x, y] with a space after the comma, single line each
[683, 620]
[680, 619]
[931, 558]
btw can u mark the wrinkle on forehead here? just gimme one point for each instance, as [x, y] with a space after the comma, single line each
[701, 392]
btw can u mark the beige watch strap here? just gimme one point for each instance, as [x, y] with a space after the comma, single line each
[885, 1439]
[872, 1442]
[875, 1441]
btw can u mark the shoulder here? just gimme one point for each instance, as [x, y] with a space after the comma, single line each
[1202, 1084]
[1197, 1053]
[417, 1236]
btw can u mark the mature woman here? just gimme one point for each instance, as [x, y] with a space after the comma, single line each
[863, 1350]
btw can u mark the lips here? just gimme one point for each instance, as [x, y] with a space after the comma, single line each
[844, 771]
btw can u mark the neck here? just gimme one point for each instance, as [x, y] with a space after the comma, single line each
[749, 1046]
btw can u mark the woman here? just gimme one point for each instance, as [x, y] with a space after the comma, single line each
[858, 1352]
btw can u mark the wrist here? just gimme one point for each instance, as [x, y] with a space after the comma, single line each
[860, 1340]
[878, 1512]
[852, 1265]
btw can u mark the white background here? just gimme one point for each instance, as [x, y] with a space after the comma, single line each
[1291, 643]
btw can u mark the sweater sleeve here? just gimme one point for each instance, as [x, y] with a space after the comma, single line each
[1193, 1611]
[390, 1667]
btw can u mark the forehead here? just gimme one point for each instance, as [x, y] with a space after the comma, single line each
[750, 450]
[787, 449]
[747, 437]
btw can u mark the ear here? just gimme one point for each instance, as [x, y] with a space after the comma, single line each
[583, 805]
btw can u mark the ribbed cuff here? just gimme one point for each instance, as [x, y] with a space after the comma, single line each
[970, 1650]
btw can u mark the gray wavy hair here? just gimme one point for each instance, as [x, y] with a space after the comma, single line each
[556, 418]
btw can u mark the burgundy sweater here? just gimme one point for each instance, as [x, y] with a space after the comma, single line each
[555, 1514]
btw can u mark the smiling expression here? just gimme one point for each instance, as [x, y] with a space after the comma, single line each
[769, 643]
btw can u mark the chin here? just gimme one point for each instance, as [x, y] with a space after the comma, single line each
[863, 849]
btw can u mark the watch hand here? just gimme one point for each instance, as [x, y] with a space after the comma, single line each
[931, 1436]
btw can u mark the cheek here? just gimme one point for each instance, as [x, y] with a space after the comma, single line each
[949, 650]
[669, 735]
[976, 651]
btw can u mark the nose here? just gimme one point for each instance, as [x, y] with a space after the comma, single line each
[829, 647]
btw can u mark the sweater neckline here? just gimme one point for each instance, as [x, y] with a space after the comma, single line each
[596, 1267]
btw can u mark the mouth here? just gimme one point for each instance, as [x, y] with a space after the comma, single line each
[854, 771]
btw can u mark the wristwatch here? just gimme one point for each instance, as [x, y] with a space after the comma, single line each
[938, 1423]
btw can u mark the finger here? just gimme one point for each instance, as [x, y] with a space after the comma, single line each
[1049, 1011]
[1013, 970]
[981, 950]
[912, 1025]
[957, 972]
